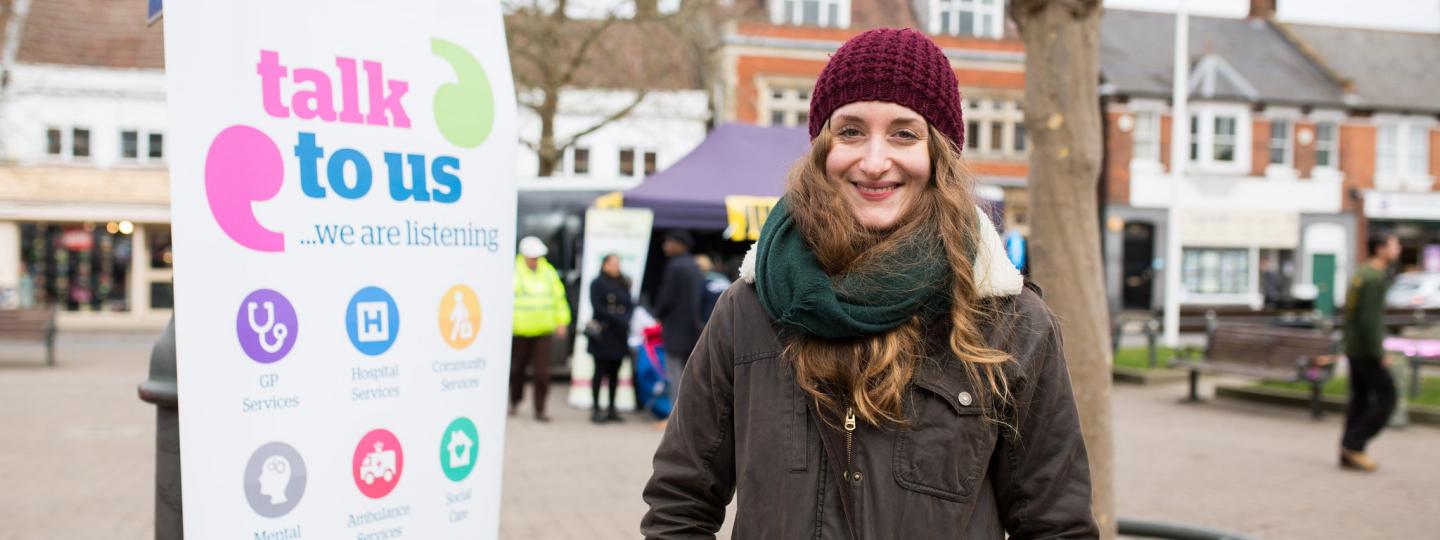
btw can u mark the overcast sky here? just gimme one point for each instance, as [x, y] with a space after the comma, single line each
[1412, 15]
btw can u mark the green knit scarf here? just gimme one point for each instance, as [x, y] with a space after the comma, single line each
[800, 296]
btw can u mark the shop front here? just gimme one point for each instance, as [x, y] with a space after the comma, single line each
[1414, 218]
[1247, 257]
[92, 244]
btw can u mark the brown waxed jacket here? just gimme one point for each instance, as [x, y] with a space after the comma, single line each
[743, 428]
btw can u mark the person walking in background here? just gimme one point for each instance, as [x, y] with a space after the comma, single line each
[881, 370]
[677, 305]
[541, 314]
[715, 285]
[1372, 390]
[1272, 284]
[609, 332]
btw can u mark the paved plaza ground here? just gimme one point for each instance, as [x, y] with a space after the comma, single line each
[77, 461]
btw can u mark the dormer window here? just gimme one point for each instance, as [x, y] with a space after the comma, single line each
[826, 13]
[976, 18]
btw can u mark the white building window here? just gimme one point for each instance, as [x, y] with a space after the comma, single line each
[627, 162]
[1281, 142]
[155, 146]
[578, 159]
[786, 104]
[1419, 152]
[80, 143]
[1216, 271]
[827, 13]
[137, 146]
[129, 144]
[54, 142]
[1402, 149]
[1146, 138]
[994, 128]
[1220, 139]
[1327, 145]
[979, 18]
[633, 160]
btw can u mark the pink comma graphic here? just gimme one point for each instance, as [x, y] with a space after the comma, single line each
[242, 167]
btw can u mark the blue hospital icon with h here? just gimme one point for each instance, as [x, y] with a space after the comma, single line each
[372, 321]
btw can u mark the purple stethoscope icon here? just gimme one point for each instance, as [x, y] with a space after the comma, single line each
[266, 325]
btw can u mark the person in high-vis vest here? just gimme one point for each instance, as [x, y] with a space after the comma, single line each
[541, 313]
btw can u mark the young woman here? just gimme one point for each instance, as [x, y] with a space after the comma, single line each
[881, 370]
[610, 302]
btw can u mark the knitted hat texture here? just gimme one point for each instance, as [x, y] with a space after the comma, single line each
[900, 66]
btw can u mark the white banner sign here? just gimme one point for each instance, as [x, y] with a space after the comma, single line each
[624, 232]
[344, 213]
[1203, 227]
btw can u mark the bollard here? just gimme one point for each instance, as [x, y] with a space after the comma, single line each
[1152, 333]
[160, 390]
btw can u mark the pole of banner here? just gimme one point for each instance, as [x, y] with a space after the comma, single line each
[1179, 157]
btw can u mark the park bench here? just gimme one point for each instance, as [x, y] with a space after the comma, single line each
[1269, 353]
[30, 325]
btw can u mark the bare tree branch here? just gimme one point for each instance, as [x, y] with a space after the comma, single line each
[583, 51]
[639, 97]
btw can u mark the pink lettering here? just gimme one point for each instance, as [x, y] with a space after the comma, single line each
[350, 93]
[314, 94]
[382, 101]
[271, 72]
[316, 102]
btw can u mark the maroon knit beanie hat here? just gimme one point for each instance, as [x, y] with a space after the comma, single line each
[897, 66]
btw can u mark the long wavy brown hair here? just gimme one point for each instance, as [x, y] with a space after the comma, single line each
[872, 372]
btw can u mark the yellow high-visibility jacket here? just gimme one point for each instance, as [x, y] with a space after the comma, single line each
[540, 304]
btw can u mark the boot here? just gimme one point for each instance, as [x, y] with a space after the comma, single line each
[1350, 459]
[596, 417]
[613, 416]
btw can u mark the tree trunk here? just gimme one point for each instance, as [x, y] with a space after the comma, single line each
[1062, 115]
[548, 151]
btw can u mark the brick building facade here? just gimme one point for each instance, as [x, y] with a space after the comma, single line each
[773, 55]
[1298, 152]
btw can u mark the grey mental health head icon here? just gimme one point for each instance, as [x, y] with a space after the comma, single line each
[274, 479]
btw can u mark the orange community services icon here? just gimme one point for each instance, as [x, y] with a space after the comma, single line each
[459, 317]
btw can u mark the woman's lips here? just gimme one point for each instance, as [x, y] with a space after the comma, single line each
[876, 191]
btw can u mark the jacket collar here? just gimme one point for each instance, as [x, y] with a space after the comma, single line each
[994, 275]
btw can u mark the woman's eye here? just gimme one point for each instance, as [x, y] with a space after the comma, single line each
[906, 134]
[849, 132]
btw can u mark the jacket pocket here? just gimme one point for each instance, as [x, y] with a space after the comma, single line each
[943, 453]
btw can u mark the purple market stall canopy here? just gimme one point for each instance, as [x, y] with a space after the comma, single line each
[734, 160]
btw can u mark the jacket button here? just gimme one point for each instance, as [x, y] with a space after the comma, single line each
[856, 477]
[965, 399]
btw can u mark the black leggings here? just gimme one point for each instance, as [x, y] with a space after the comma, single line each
[609, 369]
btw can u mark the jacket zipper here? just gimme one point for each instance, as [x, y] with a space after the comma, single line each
[849, 440]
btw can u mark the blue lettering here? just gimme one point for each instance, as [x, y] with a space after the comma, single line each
[398, 190]
[443, 170]
[355, 181]
[307, 153]
[336, 173]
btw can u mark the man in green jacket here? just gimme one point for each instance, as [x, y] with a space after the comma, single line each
[541, 314]
[1372, 391]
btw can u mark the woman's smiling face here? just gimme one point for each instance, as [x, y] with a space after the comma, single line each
[880, 156]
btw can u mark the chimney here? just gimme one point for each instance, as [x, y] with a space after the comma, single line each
[1262, 9]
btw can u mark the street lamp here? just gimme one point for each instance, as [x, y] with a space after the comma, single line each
[1179, 157]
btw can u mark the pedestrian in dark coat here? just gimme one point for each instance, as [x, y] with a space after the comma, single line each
[1372, 390]
[881, 370]
[611, 307]
[678, 304]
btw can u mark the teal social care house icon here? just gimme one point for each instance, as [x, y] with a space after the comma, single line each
[459, 447]
[464, 109]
